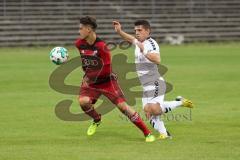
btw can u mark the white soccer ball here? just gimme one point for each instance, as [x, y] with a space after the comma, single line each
[59, 55]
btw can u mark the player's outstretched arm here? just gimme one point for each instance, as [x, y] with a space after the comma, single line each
[118, 28]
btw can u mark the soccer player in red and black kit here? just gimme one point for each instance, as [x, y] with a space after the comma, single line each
[99, 78]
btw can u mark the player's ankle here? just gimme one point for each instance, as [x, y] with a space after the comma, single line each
[98, 119]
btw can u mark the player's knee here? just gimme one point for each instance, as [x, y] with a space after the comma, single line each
[153, 109]
[157, 109]
[146, 109]
[124, 108]
[84, 101]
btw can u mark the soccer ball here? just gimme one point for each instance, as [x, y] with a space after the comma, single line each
[59, 55]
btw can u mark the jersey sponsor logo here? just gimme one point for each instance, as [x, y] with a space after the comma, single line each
[89, 62]
[93, 62]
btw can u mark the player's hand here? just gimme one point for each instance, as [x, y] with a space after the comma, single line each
[117, 26]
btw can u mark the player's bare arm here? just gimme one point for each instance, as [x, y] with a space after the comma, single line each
[124, 35]
[153, 57]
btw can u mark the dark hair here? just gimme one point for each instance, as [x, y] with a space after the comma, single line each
[89, 21]
[144, 23]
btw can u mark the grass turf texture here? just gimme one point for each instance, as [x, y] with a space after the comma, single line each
[206, 73]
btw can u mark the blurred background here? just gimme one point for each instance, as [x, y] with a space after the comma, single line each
[199, 69]
[30, 22]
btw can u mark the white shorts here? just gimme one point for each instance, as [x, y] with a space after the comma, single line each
[154, 92]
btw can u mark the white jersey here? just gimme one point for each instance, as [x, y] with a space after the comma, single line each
[154, 86]
[147, 71]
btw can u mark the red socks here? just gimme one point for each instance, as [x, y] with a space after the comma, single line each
[92, 113]
[136, 119]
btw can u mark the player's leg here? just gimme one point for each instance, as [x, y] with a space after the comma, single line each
[151, 109]
[87, 97]
[87, 106]
[114, 93]
[179, 102]
[165, 107]
[153, 113]
[159, 109]
[158, 124]
[154, 93]
[185, 102]
[135, 118]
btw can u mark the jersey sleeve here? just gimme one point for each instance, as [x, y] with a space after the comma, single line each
[151, 47]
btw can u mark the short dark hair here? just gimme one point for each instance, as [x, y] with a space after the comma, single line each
[88, 20]
[144, 23]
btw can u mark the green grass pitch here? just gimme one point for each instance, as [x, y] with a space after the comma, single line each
[208, 74]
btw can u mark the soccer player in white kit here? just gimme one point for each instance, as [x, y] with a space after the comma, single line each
[147, 57]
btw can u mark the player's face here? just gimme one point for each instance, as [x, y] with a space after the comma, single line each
[84, 31]
[141, 33]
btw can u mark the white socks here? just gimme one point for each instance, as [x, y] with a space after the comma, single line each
[158, 124]
[156, 121]
[170, 105]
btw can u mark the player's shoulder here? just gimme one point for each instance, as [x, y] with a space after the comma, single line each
[151, 42]
[100, 44]
[99, 41]
[79, 42]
